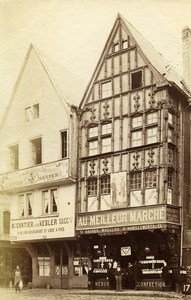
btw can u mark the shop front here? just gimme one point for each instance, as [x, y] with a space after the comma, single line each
[147, 236]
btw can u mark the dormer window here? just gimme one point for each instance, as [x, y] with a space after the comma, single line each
[136, 80]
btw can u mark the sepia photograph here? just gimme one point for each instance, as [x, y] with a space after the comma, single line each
[95, 149]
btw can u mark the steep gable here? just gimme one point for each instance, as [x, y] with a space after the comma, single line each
[126, 51]
[32, 81]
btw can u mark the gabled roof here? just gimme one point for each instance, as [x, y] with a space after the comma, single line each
[154, 57]
[65, 100]
[155, 60]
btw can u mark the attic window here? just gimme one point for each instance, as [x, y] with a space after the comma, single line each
[136, 80]
[32, 112]
[124, 44]
[116, 47]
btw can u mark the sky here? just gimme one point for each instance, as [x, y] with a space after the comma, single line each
[73, 33]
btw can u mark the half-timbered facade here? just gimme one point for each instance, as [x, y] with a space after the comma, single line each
[131, 179]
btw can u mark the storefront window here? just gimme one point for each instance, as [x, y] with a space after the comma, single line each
[43, 261]
[80, 261]
[61, 260]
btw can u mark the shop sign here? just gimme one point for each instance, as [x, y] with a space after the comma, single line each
[141, 218]
[126, 251]
[34, 175]
[42, 228]
[151, 284]
[101, 283]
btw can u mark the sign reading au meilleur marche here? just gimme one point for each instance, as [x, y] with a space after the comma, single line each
[128, 219]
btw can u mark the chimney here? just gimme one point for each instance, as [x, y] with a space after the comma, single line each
[186, 52]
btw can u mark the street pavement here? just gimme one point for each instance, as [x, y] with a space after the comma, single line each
[59, 294]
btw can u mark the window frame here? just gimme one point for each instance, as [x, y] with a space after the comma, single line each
[36, 155]
[14, 157]
[150, 179]
[64, 143]
[105, 185]
[153, 136]
[26, 211]
[134, 140]
[151, 119]
[92, 187]
[136, 79]
[32, 112]
[135, 181]
[48, 201]
[136, 124]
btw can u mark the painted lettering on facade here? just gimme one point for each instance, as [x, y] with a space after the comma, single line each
[42, 228]
[145, 217]
[34, 175]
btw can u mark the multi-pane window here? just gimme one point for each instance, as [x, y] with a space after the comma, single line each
[93, 147]
[64, 143]
[170, 179]
[106, 128]
[106, 89]
[170, 118]
[14, 157]
[170, 135]
[106, 144]
[105, 185]
[93, 132]
[26, 204]
[150, 179]
[43, 261]
[137, 121]
[50, 201]
[136, 80]
[136, 138]
[151, 135]
[36, 151]
[152, 118]
[32, 112]
[135, 181]
[92, 187]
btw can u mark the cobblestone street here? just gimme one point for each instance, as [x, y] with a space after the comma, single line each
[54, 294]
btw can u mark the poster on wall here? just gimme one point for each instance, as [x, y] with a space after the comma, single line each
[118, 188]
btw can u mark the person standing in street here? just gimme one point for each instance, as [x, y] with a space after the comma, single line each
[17, 279]
[136, 274]
[111, 276]
[118, 279]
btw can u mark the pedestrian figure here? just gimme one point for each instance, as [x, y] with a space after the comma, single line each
[130, 276]
[111, 276]
[90, 279]
[136, 274]
[17, 279]
[118, 279]
[166, 276]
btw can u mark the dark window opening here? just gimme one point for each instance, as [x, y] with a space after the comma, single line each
[136, 80]
[64, 141]
[37, 151]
